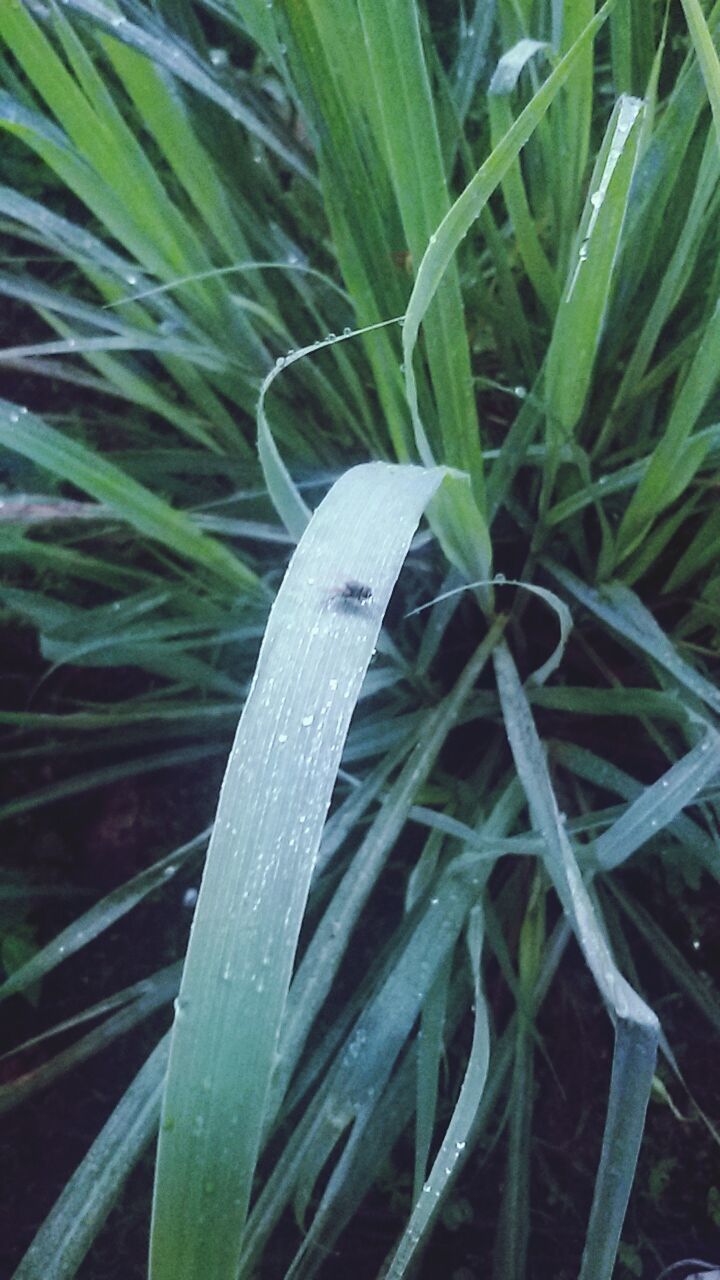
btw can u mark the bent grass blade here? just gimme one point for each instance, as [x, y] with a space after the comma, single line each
[636, 1026]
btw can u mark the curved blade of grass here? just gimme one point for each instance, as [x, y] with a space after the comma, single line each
[24, 433]
[285, 495]
[69, 1230]
[272, 808]
[636, 1026]
[457, 222]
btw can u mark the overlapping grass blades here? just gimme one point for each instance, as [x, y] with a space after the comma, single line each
[636, 1026]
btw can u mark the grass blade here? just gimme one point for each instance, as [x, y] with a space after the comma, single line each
[272, 808]
[579, 324]
[637, 1028]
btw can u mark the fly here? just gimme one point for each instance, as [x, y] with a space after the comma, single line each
[354, 594]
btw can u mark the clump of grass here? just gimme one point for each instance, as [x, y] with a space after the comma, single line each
[238, 205]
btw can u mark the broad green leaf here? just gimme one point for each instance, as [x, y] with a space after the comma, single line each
[272, 809]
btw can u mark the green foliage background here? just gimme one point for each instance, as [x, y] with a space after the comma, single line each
[248, 247]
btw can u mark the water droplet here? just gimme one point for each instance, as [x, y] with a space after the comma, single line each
[520, 392]
[596, 199]
[307, 721]
[282, 737]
